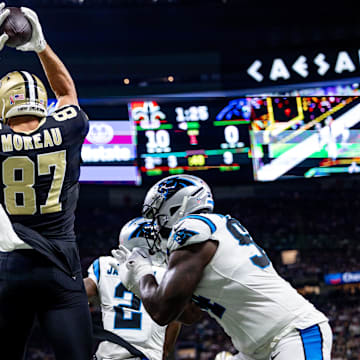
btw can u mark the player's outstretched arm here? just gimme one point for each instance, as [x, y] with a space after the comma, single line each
[58, 76]
[166, 301]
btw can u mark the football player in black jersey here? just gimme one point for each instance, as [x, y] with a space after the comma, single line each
[40, 155]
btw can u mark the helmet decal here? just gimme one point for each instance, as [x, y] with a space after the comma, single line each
[171, 186]
[143, 230]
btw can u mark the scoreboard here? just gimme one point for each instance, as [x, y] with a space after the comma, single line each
[223, 140]
[194, 136]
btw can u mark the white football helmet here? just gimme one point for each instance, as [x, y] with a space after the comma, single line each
[140, 232]
[174, 197]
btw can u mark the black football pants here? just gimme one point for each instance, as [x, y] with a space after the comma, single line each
[31, 285]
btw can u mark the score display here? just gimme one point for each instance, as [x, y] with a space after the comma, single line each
[194, 136]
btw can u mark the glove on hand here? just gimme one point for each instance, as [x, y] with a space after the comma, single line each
[37, 42]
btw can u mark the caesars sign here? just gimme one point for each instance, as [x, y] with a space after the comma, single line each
[319, 66]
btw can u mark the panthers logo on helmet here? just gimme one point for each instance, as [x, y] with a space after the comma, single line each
[181, 236]
[171, 186]
[143, 230]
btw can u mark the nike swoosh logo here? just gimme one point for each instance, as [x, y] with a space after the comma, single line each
[273, 357]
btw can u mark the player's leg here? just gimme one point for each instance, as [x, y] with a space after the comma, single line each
[16, 308]
[67, 323]
[313, 343]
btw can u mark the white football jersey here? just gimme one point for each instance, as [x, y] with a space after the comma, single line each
[240, 288]
[124, 314]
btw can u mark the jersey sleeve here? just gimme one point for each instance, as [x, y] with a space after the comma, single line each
[75, 120]
[94, 271]
[189, 231]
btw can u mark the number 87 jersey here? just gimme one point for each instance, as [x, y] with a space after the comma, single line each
[239, 287]
[40, 171]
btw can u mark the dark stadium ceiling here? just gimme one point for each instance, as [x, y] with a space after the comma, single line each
[196, 41]
[117, 3]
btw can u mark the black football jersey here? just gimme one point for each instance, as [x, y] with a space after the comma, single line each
[40, 172]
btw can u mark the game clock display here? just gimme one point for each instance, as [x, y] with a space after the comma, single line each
[195, 136]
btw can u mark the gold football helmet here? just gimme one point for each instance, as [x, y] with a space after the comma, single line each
[21, 94]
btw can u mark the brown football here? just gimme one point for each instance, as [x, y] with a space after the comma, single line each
[17, 27]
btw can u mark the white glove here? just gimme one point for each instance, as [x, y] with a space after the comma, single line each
[3, 15]
[37, 42]
[120, 255]
[138, 264]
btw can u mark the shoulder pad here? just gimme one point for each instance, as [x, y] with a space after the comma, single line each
[192, 229]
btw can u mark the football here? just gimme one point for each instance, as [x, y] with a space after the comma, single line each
[17, 27]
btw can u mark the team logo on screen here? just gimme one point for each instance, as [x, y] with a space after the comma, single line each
[147, 114]
[236, 109]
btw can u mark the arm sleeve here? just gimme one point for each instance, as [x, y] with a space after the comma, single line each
[189, 231]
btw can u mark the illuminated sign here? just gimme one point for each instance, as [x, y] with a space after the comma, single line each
[342, 278]
[109, 153]
[209, 136]
[305, 136]
[314, 67]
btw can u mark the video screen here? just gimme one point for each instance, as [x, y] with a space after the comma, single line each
[305, 136]
[109, 153]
